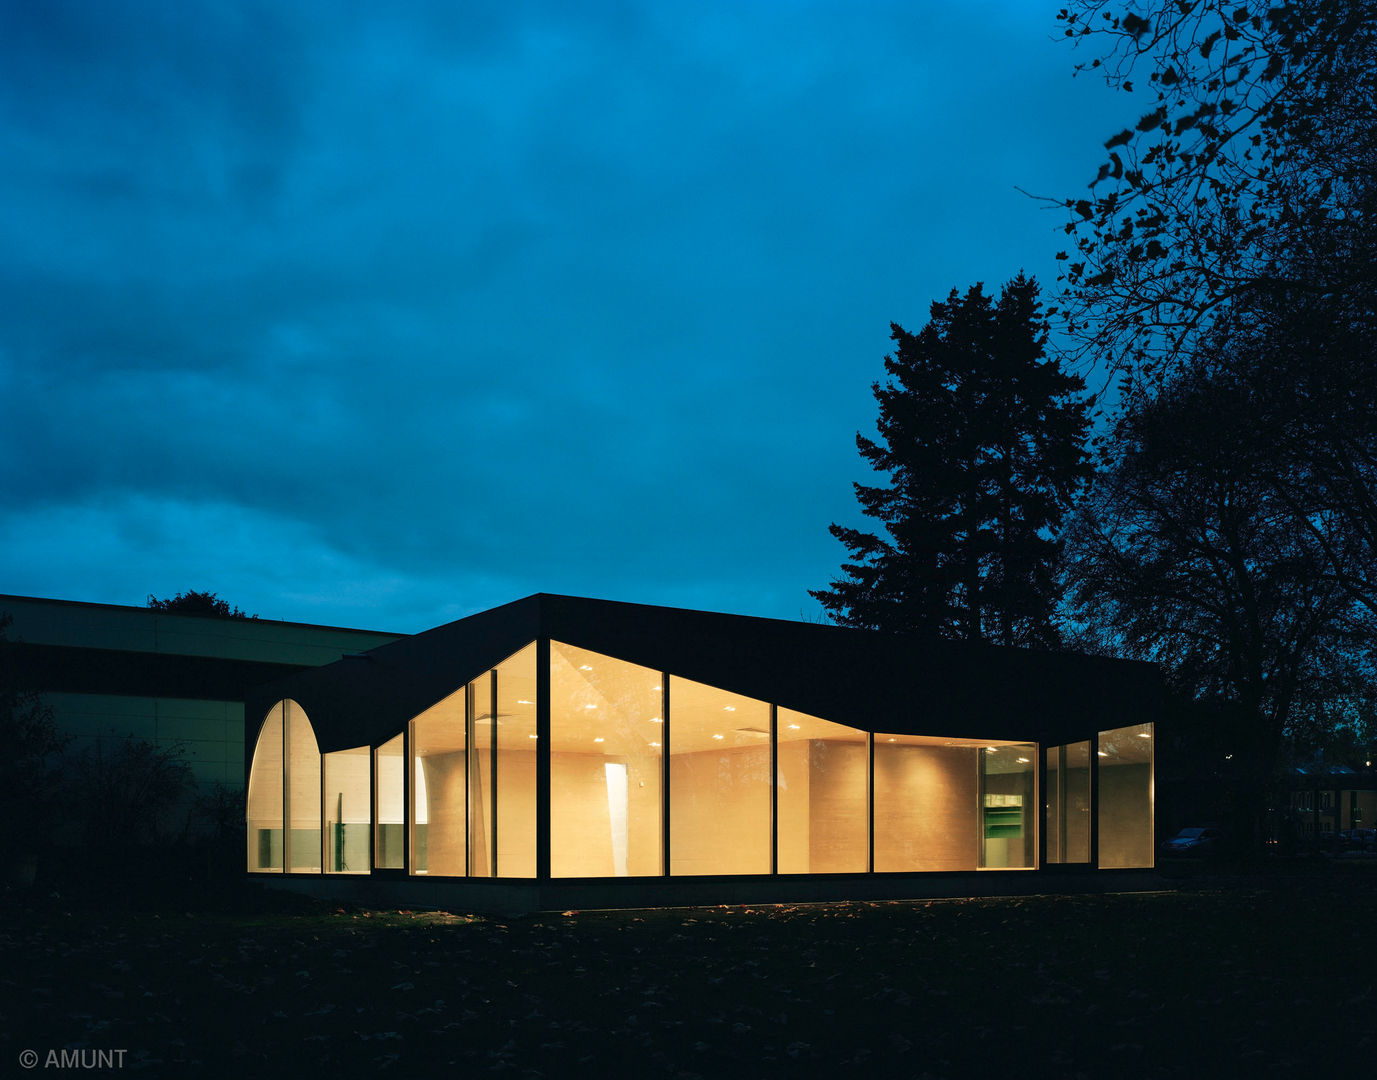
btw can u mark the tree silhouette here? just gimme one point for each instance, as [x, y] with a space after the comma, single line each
[198, 603]
[983, 439]
[1247, 173]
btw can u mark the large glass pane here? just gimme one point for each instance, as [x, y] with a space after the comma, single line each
[1008, 773]
[1125, 775]
[348, 813]
[303, 789]
[719, 781]
[1068, 803]
[606, 731]
[927, 796]
[516, 764]
[439, 788]
[821, 803]
[389, 834]
[482, 777]
[264, 801]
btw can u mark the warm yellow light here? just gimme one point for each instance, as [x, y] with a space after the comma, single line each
[893, 740]
[991, 749]
[1023, 761]
[1144, 735]
[585, 667]
[656, 720]
[532, 736]
[793, 727]
[599, 739]
[590, 706]
[729, 708]
[656, 689]
[719, 736]
[1102, 753]
[523, 701]
[656, 745]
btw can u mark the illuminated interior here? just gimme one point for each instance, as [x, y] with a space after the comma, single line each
[348, 811]
[822, 796]
[651, 774]
[1124, 769]
[389, 781]
[1067, 800]
[264, 796]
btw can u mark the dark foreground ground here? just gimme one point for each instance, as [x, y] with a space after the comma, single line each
[1228, 976]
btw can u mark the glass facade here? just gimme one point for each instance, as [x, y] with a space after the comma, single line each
[927, 795]
[1008, 796]
[606, 763]
[264, 796]
[515, 729]
[1124, 774]
[348, 811]
[389, 782]
[822, 796]
[719, 781]
[1067, 801]
[652, 774]
[439, 788]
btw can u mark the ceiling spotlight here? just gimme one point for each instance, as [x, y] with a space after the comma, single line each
[793, 727]
[1144, 735]
[656, 720]
[1101, 753]
[656, 745]
[523, 701]
[599, 739]
[729, 708]
[1023, 761]
[585, 667]
[590, 706]
[532, 736]
[719, 737]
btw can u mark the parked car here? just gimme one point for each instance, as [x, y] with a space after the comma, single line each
[1359, 839]
[1195, 840]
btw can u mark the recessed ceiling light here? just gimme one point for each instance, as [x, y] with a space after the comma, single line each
[532, 736]
[729, 708]
[991, 749]
[656, 720]
[719, 736]
[1144, 735]
[1102, 753]
[585, 667]
[590, 706]
[656, 745]
[523, 701]
[655, 689]
[599, 739]
[793, 727]
[893, 740]
[1023, 761]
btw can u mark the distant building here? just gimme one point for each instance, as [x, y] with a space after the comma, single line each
[566, 752]
[174, 680]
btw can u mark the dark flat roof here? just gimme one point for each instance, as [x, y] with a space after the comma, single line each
[892, 683]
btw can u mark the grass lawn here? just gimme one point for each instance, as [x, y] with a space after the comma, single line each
[1230, 976]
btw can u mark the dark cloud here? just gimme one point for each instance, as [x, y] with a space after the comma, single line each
[384, 316]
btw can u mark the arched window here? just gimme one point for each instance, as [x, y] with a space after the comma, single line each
[285, 774]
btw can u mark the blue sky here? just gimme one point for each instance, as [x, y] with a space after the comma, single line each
[383, 317]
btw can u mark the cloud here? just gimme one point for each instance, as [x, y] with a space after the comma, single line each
[479, 300]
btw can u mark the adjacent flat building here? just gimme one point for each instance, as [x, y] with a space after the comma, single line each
[171, 679]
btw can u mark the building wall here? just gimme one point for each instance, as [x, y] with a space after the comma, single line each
[177, 681]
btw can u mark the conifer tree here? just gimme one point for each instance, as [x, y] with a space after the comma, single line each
[983, 439]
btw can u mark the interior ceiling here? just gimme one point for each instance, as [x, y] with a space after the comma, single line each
[608, 707]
